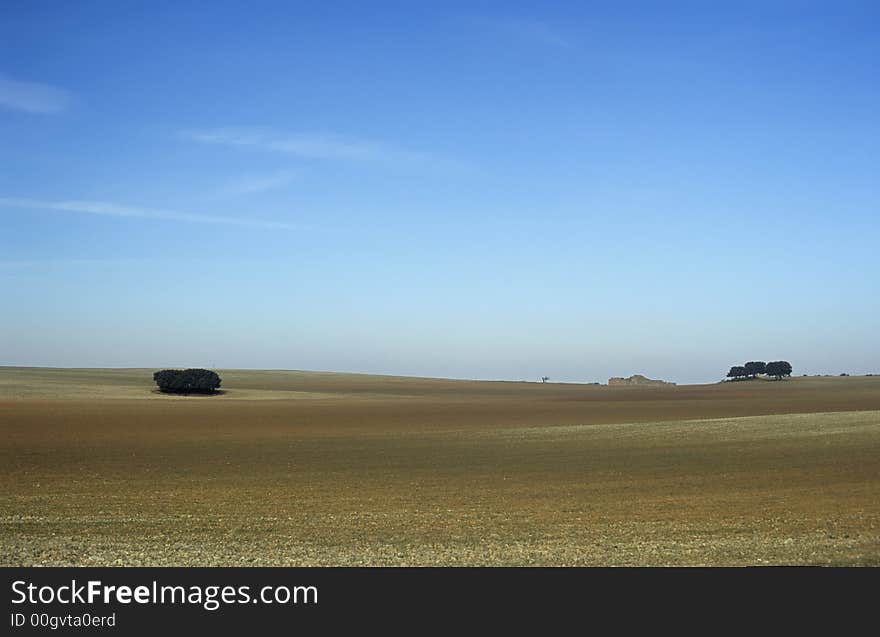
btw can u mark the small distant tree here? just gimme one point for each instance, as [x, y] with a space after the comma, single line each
[737, 372]
[544, 379]
[187, 381]
[778, 369]
[753, 368]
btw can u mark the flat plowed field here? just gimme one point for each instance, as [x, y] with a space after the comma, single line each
[299, 468]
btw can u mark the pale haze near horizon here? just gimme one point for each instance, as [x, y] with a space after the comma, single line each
[501, 193]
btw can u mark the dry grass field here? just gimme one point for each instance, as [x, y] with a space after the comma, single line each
[296, 468]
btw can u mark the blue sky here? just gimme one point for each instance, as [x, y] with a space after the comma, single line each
[477, 190]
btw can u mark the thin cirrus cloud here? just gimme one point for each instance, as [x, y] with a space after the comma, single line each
[31, 96]
[308, 145]
[116, 210]
[255, 184]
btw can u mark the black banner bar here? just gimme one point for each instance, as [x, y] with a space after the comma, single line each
[127, 601]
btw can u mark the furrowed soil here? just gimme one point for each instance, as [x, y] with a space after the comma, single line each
[304, 468]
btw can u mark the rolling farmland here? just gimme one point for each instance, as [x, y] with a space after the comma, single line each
[306, 468]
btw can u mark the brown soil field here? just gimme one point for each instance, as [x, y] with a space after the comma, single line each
[306, 468]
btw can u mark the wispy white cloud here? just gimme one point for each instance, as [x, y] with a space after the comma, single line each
[115, 210]
[253, 184]
[310, 145]
[32, 97]
[535, 32]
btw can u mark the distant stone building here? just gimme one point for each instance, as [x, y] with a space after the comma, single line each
[638, 379]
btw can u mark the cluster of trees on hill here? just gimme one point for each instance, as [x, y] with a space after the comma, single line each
[777, 369]
[187, 381]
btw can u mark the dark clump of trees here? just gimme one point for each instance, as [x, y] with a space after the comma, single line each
[753, 368]
[187, 381]
[777, 369]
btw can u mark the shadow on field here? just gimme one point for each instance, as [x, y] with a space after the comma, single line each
[218, 392]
